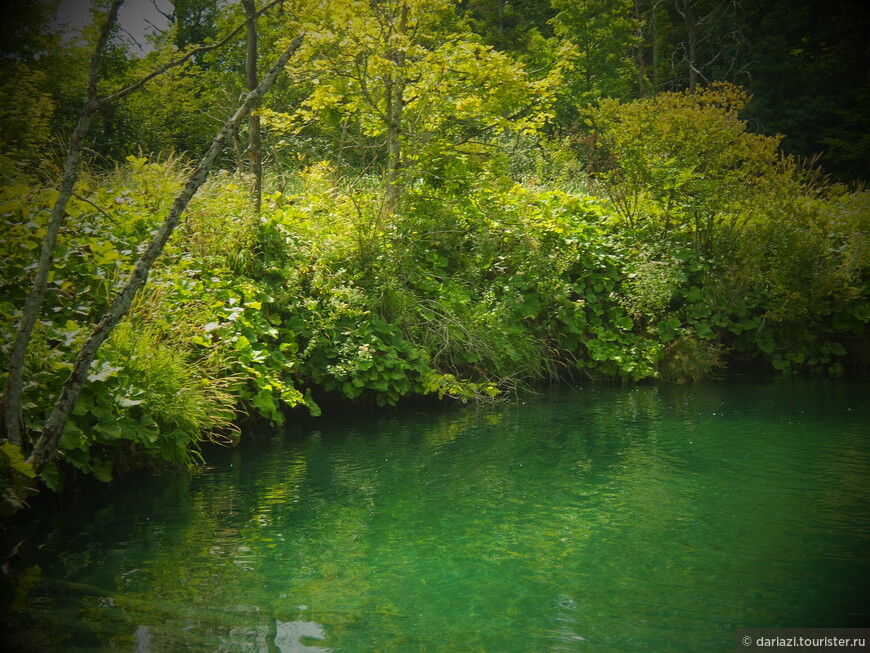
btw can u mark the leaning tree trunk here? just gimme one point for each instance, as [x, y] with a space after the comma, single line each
[10, 405]
[45, 449]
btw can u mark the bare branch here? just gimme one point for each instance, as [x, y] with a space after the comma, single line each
[101, 210]
[124, 92]
[159, 11]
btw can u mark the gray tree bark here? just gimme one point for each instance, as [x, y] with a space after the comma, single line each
[10, 405]
[686, 9]
[45, 449]
[395, 104]
[254, 140]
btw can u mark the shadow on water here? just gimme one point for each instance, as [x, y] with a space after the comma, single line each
[595, 519]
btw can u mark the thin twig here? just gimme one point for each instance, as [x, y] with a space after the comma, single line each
[124, 92]
[87, 201]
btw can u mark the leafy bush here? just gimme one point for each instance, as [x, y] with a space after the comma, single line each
[807, 264]
[690, 358]
[684, 163]
[466, 292]
[146, 400]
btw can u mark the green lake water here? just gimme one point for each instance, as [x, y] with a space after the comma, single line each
[654, 518]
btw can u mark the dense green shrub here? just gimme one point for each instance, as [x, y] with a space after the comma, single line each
[684, 163]
[465, 294]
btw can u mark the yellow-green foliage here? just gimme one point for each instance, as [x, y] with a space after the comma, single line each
[684, 162]
[220, 225]
[176, 393]
[26, 110]
[690, 358]
[146, 399]
[711, 249]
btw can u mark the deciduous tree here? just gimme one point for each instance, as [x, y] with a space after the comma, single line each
[45, 448]
[417, 86]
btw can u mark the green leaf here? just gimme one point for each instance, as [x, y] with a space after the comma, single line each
[625, 323]
[312, 406]
[102, 471]
[50, 475]
[127, 402]
[264, 402]
[531, 307]
[72, 437]
[693, 294]
[491, 390]
[102, 371]
[16, 459]
[84, 404]
[797, 357]
[109, 431]
[705, 330]
[765, 343]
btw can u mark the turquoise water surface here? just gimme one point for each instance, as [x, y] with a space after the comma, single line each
[654, 518]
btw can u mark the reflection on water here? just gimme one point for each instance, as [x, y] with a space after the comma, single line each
[601, 519]
[280, 636]
[289, 637]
